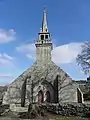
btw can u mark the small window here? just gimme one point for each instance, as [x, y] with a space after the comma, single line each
[42, 37]
[46, 36]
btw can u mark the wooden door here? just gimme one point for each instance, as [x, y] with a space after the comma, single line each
[47, 96]
[40, 97]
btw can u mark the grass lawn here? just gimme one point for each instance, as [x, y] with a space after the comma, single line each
[59, 117]
[70, 118]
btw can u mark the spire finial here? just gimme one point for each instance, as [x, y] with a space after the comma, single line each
[44, 22]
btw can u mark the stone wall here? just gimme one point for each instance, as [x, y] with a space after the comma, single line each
[66, 90]
[3, 89]
[68, 93]
[68, 109]
[43, 52]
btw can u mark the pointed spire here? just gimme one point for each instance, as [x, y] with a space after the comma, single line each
[44, 22]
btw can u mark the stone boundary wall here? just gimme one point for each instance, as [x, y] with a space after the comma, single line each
[68, 109]
[3, 108]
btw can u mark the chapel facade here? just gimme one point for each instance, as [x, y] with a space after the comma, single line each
[44, 81]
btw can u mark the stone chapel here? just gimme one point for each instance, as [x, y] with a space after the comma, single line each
[44, 81]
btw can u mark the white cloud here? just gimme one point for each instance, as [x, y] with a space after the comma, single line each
[28, 50]
[6, 60]
[6, 76]
[66, 53]
[7, 69]
[7, 36]
[63, 54]
[6, 79]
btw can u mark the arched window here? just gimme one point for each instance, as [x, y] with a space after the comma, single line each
[40, 97]
[47, 96]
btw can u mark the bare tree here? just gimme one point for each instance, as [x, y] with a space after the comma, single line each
[83, 59]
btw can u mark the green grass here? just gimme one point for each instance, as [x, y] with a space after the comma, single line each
[69, 118]
[59, 117]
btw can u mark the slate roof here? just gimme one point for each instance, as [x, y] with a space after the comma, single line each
[81, 82]
[83, 85]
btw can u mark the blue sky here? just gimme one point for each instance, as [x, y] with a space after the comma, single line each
[20, 22]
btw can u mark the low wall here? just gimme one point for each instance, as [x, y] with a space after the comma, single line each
[68, 109]
[3, 108]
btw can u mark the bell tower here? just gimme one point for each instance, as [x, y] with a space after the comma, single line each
[44, 43]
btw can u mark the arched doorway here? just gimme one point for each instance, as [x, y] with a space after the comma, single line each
[40, 97]
[47, 96]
